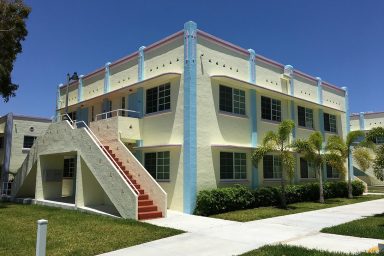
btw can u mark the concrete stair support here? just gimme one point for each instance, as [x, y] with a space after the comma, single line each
[109, 132]
[63, 137]
[148, 211]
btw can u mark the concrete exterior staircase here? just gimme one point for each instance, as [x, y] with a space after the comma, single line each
[146, 207]
[62, 137]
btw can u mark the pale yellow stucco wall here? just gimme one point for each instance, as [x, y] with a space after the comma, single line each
[164, 59]
[20, 129]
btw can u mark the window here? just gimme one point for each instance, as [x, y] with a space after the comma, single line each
[332, 173]
[109, 115]
[158, 98]
[305, 117]
[1, 142]
[272, 167]
[93, 113]
[28, 141]
[379, 140]
[270, 109]
[307, 169]
[123, 106]
[232, 100]
[69, 167]
[233, 165]
[158, 164]
[330, 123]
[72, 115]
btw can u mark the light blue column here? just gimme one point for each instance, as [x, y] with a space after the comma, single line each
[253, 112]
[321, 118]
[140, 102]
[80, 89]
[107, 77]
[361, 121]
[319, 90]
[190, 172]
[141, 64]
[288, 71]
[348, 128]
[320, 101]
[252, 66]
[325, 172]
[57, 112]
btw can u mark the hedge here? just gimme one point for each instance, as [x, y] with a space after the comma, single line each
[239, 197]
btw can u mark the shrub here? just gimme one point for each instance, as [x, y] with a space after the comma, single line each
[223, 200]
[357, 188]
[266, 197]
[239, 197]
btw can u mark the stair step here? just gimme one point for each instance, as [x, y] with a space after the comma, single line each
[147, 208]
[141, 191]
[145, 202]
[137, 186]
[143, 197]
[106, 147]
[150, 215]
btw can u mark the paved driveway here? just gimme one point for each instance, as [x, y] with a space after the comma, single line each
[208, 236]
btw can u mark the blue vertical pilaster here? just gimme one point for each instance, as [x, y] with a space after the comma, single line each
[140, 102]
[324, 172]
[140, 62]
[320, 101]
[107, 77]
[361, 121]
[319, 90]
[58, 101]
[80, 89]
[252, 66]
[7, 148]
[348, 128]
[253, 112]
[190, 172]
[288, 71]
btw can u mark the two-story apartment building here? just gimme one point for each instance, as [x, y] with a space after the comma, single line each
[192, 107]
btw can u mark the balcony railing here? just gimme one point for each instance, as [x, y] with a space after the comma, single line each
[118, 112]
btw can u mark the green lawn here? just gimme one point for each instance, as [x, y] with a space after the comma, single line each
[280, 250]
[70, 232]
[269, 212]
[370, 227]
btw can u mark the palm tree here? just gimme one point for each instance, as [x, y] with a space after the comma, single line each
[373, 136]
[357, 149]
[313, 152]
[278, 142]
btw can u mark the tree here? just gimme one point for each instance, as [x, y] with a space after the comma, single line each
[373, 136]
[312, 150]
[352, 144]
[363, 158]
[13, 14]
[279, 142]
[378, 163]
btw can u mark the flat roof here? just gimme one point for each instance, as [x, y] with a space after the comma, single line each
[29, 118]
[212, 38]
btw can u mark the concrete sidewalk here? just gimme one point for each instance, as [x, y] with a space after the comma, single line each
[208, 236]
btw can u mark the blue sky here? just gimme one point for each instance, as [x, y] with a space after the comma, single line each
[340, 41]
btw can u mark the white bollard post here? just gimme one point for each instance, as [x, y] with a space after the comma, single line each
[41, 241]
